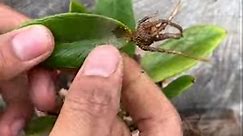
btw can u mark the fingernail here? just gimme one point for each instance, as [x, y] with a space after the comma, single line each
[31, 42]
[102, 61]
[17, 127]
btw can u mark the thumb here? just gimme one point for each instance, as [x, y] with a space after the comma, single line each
[24, 48]
[92, 103]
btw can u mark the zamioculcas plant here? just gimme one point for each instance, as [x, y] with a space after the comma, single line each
[112, 21]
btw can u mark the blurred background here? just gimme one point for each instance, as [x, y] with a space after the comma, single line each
[213, 106]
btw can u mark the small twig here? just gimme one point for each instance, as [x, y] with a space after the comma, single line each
[173, 14]
[175, 11]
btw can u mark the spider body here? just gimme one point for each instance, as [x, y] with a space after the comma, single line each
[148, 32]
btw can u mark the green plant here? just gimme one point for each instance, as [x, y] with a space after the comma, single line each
[111, 22]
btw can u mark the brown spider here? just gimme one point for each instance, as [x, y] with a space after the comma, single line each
[148, 32]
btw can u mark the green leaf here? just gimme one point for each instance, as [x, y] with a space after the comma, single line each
[198, 41]
[178, 86]
[40, 125]
[129, 49]
[121, 10]
[76, 34]
[76, 6]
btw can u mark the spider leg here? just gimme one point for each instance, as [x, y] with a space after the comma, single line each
[164, 36]
[176, 26]
[144, 19]
[165, 23]
[168, 51]
[160, 25]
[147, 25]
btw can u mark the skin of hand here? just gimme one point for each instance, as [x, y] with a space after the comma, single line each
[105, 79]
[21, 85]
[91, 106]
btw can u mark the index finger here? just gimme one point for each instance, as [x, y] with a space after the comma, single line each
[148, 106]
[10, 19]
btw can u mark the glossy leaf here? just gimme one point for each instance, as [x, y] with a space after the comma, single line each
[76, 34]
[76, 6]
[198, 41]
[178, 86]
[39, 126]
[121, 10]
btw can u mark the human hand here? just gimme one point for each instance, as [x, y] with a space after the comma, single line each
[22, 87]
[92, 103]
